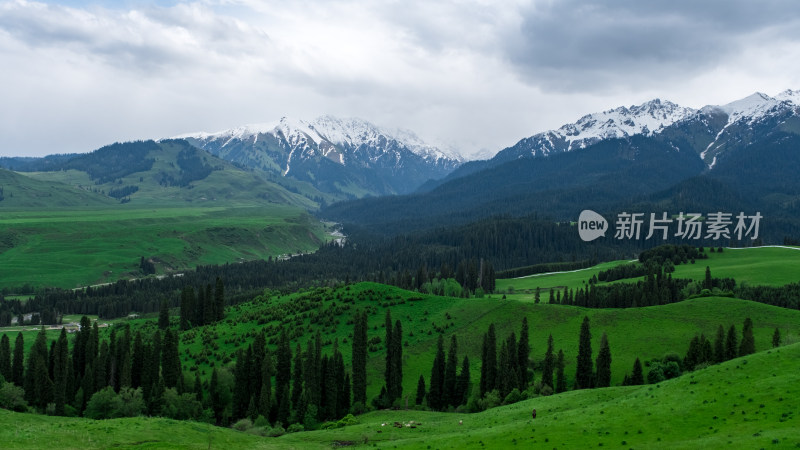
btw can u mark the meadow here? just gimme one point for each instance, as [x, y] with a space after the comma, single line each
[769, 266]
[76, 247]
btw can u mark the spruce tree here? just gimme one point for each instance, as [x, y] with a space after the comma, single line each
[187, 308]
[484, 378]
[209, 313]
[359, 358]
[523, 353]
[397, 365]
[450, 368]
[420, 390]
[17, 368]
[198, 388]
[549, 365]
[561, 380]
[215, 397]
[170, 360]
[283, 373]
[219, 299]
[491, 359]
[5, 358]
[137, 361]
[603, 378]
[163, 315]
[707, 282]
[748, 345]
[389, 368]
[731, 344]
[776, 338]
[437, 377]
[265, 394]
[37, 384]
[60, 364]
[584, 372]
[719, 345]
[637, 378]
[297, 376]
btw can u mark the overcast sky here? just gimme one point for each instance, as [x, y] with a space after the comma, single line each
[76, 75]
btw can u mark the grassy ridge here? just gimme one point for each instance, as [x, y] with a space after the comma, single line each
[771, 266]
[69, 248]
[749, 402]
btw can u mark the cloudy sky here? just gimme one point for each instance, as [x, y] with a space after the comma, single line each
[480, 75]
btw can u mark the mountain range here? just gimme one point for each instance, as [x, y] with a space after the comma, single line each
[348, 158]
[656, 155]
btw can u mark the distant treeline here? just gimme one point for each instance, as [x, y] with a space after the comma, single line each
[545, 268]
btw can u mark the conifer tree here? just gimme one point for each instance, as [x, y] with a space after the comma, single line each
[219, 299]
[549, 364]
[137, 360]
[397, 365]
[604, 363]
[38, 385]
[17, 368]
[216, 397]
[491, 359]
[731, 344]
[776, 338]
[209, 314]
[637, 378]
[187, 308]
[390, 359]
[523, 353]
[707, 282]
[283, 368]
[198, 388]
[5, 358]
[60, 364]
[584, 372]
[748, 345]
[297, 376]
[719, 346]
[561, 380]
[265, 394]
[437, 377]
[450, 368]
[359, 358]
[420, 390]
[170, 360]
[163, 315]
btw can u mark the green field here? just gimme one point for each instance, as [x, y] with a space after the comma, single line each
[79, 247]
[749, 402]
[770, 266]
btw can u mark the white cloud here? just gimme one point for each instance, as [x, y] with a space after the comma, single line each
[468, 72]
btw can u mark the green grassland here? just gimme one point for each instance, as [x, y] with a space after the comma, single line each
[749, 402]
[770, 266]
[77, 247]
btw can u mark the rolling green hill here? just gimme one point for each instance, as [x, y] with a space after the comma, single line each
[769, 266]
[20, 191]
[90, 218]
[749, 402]
[646, 333]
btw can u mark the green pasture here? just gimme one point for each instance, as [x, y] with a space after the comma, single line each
[77, 247]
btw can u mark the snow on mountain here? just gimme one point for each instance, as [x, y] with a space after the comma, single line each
[341, 156]
[647, 118]
[350, 133]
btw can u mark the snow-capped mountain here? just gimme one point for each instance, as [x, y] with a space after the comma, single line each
[347, 156]
[648, 118]
[745, 119]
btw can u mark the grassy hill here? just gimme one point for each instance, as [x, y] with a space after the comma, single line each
[770, 266]
[90, 219]
[749, 402]
[78, 247]
[20, 191]
[646, 333]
